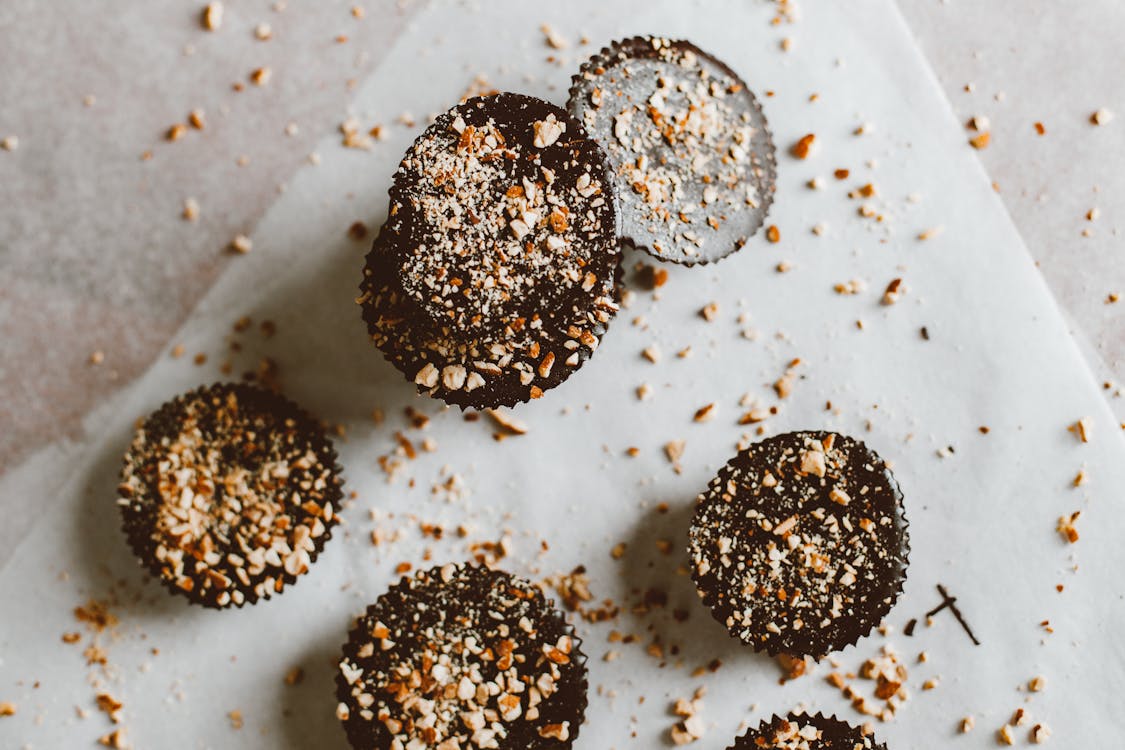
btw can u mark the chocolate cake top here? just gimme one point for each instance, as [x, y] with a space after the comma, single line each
[228, 493]
[799, 545]
[462, 656]
[495, 274]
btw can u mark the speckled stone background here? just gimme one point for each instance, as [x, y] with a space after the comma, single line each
[96, 257]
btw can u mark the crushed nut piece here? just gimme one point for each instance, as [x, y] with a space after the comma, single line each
[802, 148]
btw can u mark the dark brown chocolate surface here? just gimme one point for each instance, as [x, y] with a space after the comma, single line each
[495, 274]
[799, 545]
[804, 732]
[463, 655]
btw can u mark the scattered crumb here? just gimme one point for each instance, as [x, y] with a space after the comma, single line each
[1083, 429]
[1102, 117]
[213, 16]
[505, 420]
[802, 148]
[981, 141]
[704, 413]
[1066, 527]
[241, 244]
[191, 209]
[894, 292]
[554, 41]
[10, 143]
[261, 76]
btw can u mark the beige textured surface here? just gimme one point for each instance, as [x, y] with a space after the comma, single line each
[93, 248]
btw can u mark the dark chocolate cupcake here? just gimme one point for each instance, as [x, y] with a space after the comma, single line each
[799, 545]
[496, 272]
[804, 732]
[229, 493]
[462, 656]
[693, 158]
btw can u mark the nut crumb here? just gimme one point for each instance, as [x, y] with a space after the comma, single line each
[704, 413]
[507, 421]
[1066, 527]
[1083, 429]
[981, 141]
[802, 148]
[213, 16]
[241, 244]
[1102, 117]
[191, 209]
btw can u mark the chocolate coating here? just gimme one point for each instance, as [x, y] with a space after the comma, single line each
[495, 275]
[228, 494]
[804, 732]
[800, 544]
[462, 654]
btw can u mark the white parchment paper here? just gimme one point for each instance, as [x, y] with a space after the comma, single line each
[982, 517]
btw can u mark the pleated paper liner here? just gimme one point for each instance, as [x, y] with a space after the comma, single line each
[695, 219]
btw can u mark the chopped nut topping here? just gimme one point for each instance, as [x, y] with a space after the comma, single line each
[548, 131]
